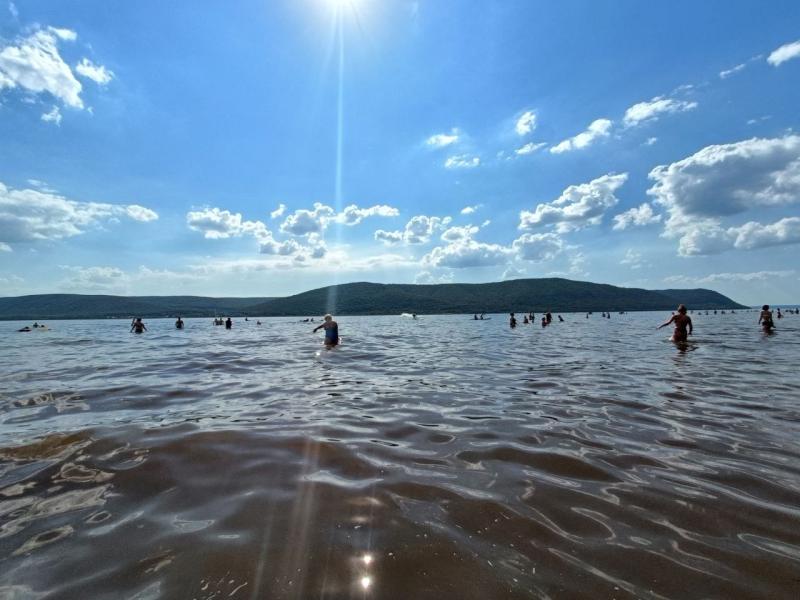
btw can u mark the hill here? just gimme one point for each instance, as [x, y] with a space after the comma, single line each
[521, 295]
[79, 306]
[538, 295]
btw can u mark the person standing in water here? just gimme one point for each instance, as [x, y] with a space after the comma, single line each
[331, 328]
[512, 321]
[765, 319]
[682, 322]
[179, 323]
[228, 323]
[137, 326]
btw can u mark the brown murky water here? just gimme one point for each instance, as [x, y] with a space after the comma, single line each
[440, 458]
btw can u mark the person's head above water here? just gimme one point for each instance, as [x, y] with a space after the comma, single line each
[765, 307]
[682, 309]
[328, 318]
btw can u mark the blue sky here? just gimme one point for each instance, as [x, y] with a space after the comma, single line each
[265, 148]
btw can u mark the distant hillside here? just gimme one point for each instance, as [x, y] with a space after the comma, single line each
[78, 306]
[562, 295]
[537, 295]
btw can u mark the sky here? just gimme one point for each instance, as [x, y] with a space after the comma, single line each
[264, 148]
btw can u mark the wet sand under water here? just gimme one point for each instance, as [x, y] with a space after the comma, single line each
[439, 458]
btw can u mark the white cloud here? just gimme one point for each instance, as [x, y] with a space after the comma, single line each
[217, 224]
[784, 53]
[597, 129]
[468, 210]
[455, 234]
[353, 215]
[467, 253]
[633, 259]
[278, 212]
[730, 277]
[12, 8]
[28, 215]
[389, 237]
[34, 63]
[418, 230]
[529, 148]
[304, 221]
[97, 73]
[732, 71]
[650, 141]
[725, 180]
[441, 140]
[54, 116]
[578, 206]
[462, 161]
[5, 247]
[512, 273]
[636, 217]
[537, 247]
[651, 110]
[525, 123]
[426, 277]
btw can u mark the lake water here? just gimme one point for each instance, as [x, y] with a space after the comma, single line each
[439, 458]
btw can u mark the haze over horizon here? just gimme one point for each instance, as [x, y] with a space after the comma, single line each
[269, 148]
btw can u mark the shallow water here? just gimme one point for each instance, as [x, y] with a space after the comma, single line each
[439, 458]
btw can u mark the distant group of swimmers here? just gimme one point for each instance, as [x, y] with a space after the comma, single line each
[330, 326]
[530, 318]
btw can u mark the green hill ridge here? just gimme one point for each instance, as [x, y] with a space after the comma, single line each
[554, 294]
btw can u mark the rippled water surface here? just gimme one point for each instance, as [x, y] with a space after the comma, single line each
[439, 458]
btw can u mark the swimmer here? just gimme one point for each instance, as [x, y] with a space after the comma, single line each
[179, 323]
[765, 319]
[549, 317]
[544, 321]
[475, 317]
[512, 321]
[228, 323]
[682, 321]
[331, 328]
[524, 319]
[137, 326]
[560, 319]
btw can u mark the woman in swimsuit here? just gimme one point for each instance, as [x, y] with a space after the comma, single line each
[765, 319]
[682, 321]
[331, 328]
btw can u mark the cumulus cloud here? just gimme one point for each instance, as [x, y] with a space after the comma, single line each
[5, 247]
[529, 148]
[651, 110]
[537, 247]
[353, 215]
[278, 212]
[725, 180]
[597, 129]
[467, 253]
[426, 277]
[97, 73]
[53, 116]
[454, 234]
[34, 63]
[462, 161]
[577, 207]
[217, 224]
[304, 221]
[636, 217]
[29, 215]
[525, 123]
[418, 230]
[441, 140]
[468, 210]
[784, 53]
[512, 273]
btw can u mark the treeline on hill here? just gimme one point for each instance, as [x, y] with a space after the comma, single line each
[555, 294]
